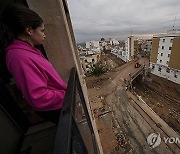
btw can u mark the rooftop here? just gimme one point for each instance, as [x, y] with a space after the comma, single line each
[170, 33]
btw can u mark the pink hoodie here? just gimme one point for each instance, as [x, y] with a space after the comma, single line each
[35, 76]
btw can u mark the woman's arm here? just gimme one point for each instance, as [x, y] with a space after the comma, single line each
[33, 84]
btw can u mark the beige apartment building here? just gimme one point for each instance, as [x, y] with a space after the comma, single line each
[131, 49]
[165, 55]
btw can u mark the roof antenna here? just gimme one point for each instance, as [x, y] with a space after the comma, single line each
[174, 23]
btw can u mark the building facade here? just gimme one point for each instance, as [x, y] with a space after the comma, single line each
[113, 41]
[92, 44]
[88, 59]
[148, 46]
[165, 54]
[130, 50]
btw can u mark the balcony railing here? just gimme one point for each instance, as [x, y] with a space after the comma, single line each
[68, 137]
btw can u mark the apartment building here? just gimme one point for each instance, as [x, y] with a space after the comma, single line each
[92, 44]
[113, 41]
[128, 52]
[120, 53]
[131, 49]
[165, 54]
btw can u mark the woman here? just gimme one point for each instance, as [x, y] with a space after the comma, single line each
[20, 30]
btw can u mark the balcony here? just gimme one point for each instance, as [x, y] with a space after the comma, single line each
[74, 133]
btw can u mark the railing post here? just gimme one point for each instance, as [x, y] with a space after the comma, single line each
[63, 140]
[87, 115]
[68, 137]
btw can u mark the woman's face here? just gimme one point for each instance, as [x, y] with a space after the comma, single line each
[37, 35]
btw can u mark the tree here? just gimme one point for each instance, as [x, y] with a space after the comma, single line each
[97, 69]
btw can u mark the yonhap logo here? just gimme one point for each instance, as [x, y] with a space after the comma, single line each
[154, 140]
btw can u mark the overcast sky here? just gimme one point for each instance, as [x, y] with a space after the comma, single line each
[94, 19]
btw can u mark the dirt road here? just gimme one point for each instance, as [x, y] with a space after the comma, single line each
[121, 127]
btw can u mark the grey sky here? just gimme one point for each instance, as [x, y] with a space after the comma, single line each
[93, 19]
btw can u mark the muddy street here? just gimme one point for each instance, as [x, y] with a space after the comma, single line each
[163, 97]
[124, 122]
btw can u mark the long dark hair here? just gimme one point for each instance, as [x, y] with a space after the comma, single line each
[13, 21]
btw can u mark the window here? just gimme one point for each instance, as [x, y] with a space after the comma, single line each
[162, 47]
[153, 66]
[86, 61]
[167, 62]
[171, 40]
[168, 55]
[159, 69]
[160, 61]
[168, 70]
[170, 48]
[175, 75]
[92, 60]
[161, 54]
[163, 40]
